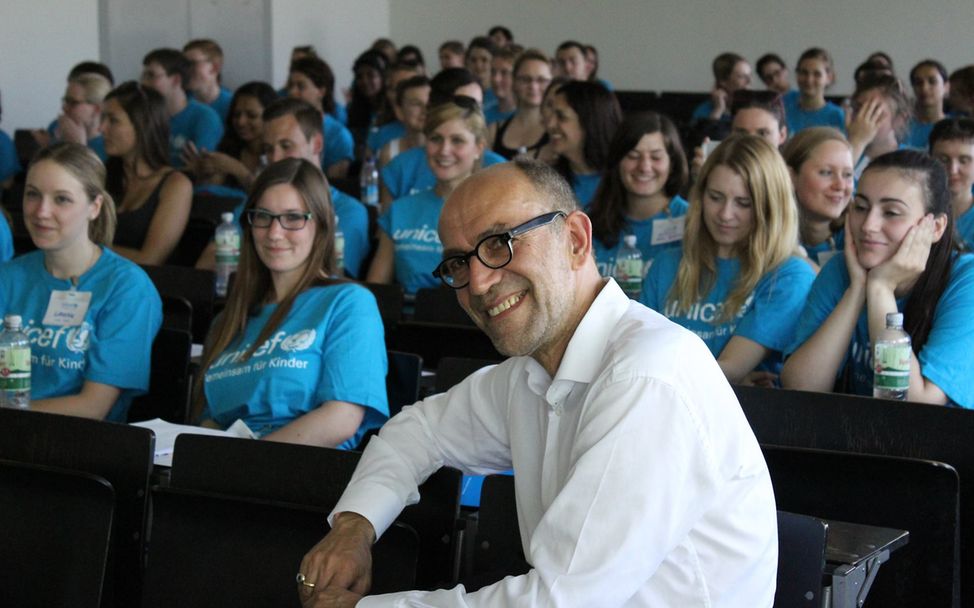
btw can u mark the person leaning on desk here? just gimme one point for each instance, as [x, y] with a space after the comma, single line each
[639, 481]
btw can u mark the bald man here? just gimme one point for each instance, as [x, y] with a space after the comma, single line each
[639, 481]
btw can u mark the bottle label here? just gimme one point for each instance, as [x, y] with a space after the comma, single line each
[14, 368]
[629, 274]
[372, 194]
[340, 253]
[228, 248]
[892, 366]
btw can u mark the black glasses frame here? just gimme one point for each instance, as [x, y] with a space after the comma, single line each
[252, 213]
[507, 238]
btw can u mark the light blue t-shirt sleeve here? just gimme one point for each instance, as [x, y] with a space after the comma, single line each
[659, 279]
[6, 240]
[824, 295]
[354, 359]
[339, 144]
[945, 358]
[353, 219]
[209, 129]
[392, 176]
[779, 298]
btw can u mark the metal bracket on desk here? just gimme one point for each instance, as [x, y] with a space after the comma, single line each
[851, 584]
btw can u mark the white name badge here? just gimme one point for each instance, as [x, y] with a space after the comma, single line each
[668, 230]
[67, 308]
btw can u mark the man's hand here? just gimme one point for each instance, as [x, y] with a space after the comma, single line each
[342, 561]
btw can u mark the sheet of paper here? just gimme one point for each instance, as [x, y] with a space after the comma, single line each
[166, 433]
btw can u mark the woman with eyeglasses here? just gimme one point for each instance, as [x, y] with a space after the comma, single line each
[737, 282]
[524, 133]
[409, 245]
[300, 358]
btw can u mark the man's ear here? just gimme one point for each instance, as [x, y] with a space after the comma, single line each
[579, 228]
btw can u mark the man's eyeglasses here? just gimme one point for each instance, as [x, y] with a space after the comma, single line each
[288, 221]
[493, 251]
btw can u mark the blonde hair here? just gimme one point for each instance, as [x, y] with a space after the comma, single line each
[774, 233]
[85, 166]
[472, 117]
[95, 86]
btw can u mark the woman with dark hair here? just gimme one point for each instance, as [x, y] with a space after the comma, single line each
[899, 256]
[312, 80]
[929, 81]
[640, 191]
[737, 282]
[524, 132]
[94, 314]
[298, 357]
[155, 199]
[238, 156]
[480, 53]
[411, 55]
[582, 119]
[368, 94]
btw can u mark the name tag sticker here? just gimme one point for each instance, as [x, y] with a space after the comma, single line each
[67, 308]
[668, 230]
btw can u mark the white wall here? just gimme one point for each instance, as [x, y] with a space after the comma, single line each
[339, 30]
[668, 44]
[39, 42]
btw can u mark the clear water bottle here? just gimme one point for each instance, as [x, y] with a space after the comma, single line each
[369, 182]
[14, 365]
[339, 249]
[891, 360]
[628, 271]
[227, 252]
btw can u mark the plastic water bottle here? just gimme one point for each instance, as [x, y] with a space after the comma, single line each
[227, 252]
[629, 267]
[14, 365]
[369, 182]
[891, 360]
[339, 249]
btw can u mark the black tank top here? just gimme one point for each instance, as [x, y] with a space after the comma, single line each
[133, 226]
[509, 153]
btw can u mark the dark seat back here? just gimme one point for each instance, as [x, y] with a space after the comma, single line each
[194, 285]
[210, 549]
[54, 536]
[120, 453]
[901, 493]
[801, 560]
[390, 299]
[169, 379]
[871, 426]
[439, 305]
[433, 341]
[311, 476]
[402, 380]
[452, 370]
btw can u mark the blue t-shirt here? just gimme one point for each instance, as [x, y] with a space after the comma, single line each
[768, 317]
[702, 112]
[411, 223]
[827, 249]
[339, 144]
[605, 258]
[340, 113]
[113, 344]
[409, 173]
[380, 136]
[945, 359]
[918, 135]
[6, 240]
[490, 100]
[329, 348]
[9, 163]
[584, 187]
[197, 123]
[829, 115]
[353, 219]
[96, 143]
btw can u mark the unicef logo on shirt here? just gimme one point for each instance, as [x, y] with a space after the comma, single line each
[79, 338]
[299, 341]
